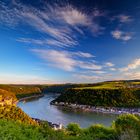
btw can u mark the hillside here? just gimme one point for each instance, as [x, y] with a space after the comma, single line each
[107, 94]
[14, 113]
[6, 93]
[19, 91]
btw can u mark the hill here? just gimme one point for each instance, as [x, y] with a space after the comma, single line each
[19, 91]
[107, 94]
[14, 113]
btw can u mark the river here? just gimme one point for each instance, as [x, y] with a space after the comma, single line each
[40, 108]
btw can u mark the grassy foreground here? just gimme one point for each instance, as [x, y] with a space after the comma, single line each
[16, 125]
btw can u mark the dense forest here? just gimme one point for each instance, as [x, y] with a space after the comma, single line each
[15, 125]
[121, 97]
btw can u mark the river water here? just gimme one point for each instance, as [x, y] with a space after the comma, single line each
[40, 108]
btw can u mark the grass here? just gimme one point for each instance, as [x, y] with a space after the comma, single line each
[105, 85]
[110, 85]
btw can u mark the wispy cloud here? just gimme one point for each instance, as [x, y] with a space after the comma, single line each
[120, 35]
[135, 64]
[132, 75]
[124, 18]
[49, 42]
[83, 54]
[65, 60]
[113, 69]
[59, 59]
[109, 64]
[89, 65]
[73, 16]
[99, 72]
[87, 78]
[69, 20]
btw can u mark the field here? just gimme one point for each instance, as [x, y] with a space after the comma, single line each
[112, 85]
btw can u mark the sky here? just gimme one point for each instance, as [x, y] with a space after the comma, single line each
[69, 41]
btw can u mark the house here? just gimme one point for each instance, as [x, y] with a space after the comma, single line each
[55, 126]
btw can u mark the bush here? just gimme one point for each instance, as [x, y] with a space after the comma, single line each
[128, 126]
[73, 129]
[101, 132]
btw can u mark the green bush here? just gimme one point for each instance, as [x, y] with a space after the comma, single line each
[74, 129]
[12, 130]
[128, 126]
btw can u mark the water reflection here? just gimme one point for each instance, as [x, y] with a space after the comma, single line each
[41, 108]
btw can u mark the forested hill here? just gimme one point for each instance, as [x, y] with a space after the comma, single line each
[108, 94]
[60, 88]
[19, 91]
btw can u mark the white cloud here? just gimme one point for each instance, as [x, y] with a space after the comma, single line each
[135, 64]
[32, 41]
[83, 54]
[78, 19]
[120, 35]
[132, 75]
[73, 16]
[59, 59]
[42, 21]
[116, 34]
[87, 78]
[67, 19]
[89, 65]
[49, 42]
[109, 64]
[113, 69]
[65, 60]
[124, 18]
[99, 72]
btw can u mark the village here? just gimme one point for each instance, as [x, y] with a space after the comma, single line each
[107, 110]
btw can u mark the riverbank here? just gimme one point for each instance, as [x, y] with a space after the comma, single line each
[31, 97]
[105, 110]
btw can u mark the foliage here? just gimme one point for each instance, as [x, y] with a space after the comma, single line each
[15, 113]
[20, 91]
[14, 128]
[121, 97]
[5, 94]
[73, 129]
[128, 124]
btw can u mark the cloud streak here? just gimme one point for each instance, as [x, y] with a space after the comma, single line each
[132, 66]
[69, 19]
[120, 35]
[68, 61]
[124, 18]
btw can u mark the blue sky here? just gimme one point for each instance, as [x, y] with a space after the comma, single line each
[80, 41]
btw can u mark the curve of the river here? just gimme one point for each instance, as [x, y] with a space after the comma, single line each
[40, 108]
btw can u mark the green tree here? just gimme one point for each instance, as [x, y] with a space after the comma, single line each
[74, 129]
